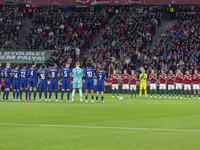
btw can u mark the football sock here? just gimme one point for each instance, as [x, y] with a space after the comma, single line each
[68, 94]
[173, 92]
[176, 93]
[181, 92]
[123, 92]
[29, 94]
[194, 95]
[155, 93]
[113, 92]
[131, 93]
[117, 93]
[14, 94]
[4, 93]
[45, 94]
[145, 91]
[26, 91]
[17, 94]
[73, 93]
[96, 98]
[127, 92]
[101, 98]
[160, 92]
[86, 98]
[185, 92]
[40, 94]
[140, 92]
[198, 95]
[56, 93]
[50, 94]
[189, 94]
[169, 93]
[34, 94]
[7, 94]
[80, 93]
[135, 93]
[92, 97]
[20, 94]
[151, 92]
[165, 92]
[62, 94]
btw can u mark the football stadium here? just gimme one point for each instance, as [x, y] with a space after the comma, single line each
[99, 74]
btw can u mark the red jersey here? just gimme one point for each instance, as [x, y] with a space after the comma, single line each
[133, 81]
[178, 77]
[195, 78]
[114, 77]
[153, 75]
[125, 81]
[162, 78]
[187, 76]
[170, 78]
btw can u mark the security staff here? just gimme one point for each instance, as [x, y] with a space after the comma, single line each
[30, 12]
[172, 12]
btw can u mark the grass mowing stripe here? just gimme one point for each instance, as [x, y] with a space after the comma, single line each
[96, 127]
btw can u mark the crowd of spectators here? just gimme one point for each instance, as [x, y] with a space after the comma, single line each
[10, 25]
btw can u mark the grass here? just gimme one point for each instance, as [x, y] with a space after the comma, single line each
[64, 126]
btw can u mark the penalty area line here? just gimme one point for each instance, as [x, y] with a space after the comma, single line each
[98, 127]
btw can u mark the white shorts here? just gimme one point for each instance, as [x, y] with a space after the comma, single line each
[170, 87]
[132, 87]
[153, 86]
[178, 86]
[187, 87]
[125, 87]
[195, 86]
[162, 87]
[115, 86]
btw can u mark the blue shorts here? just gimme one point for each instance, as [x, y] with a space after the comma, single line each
[54, 85]
[16, 85]
[89, 85]
[66, 84]
[7, 84]
[43, 87]
[77, 85]
[33, 83]
[100, 88]
[24, 84]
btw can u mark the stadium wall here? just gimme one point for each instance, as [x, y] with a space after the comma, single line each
[111, 2]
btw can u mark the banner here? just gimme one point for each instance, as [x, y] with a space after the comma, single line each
[24, 56]
[102, 2]
[9, 1]
[135, 2]
[83, 2]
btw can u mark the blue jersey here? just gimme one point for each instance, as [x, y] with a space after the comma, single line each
[33, 74]
[7, 72]
[43, 74]
[100, 78]
[24, 74]
[89, 73]
[0, 74]
[77, 74]
[66, 73]
[54, 74]
[16, 74]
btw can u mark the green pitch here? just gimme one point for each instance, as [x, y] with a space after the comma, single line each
[130, 124]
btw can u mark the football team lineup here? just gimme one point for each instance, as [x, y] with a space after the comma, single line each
[21, 82]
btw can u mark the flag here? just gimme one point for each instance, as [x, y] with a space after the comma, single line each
[83, 2]
[135, 2]
[102, 2]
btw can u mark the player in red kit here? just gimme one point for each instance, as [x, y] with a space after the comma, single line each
[195, 79]
[171, 78]
[125, 86]
[187, 86]
[152, 79]
[162, 78]
[179, 78]
[133, 79]
[115, 78]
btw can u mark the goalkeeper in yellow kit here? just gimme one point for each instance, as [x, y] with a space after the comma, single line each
[143, 83]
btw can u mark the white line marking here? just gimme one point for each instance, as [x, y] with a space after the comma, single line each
[96, 127]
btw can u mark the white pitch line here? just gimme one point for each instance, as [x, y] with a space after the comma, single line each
[97, 127]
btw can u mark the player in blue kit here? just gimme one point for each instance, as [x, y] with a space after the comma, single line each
[43, 74]
[66, 74]
[54, 73]
[100, 84]
[7, 77]
[89, 72]
[33, 80]
[77, 74]
[1, 73]
[16, 82]
[24, 81]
